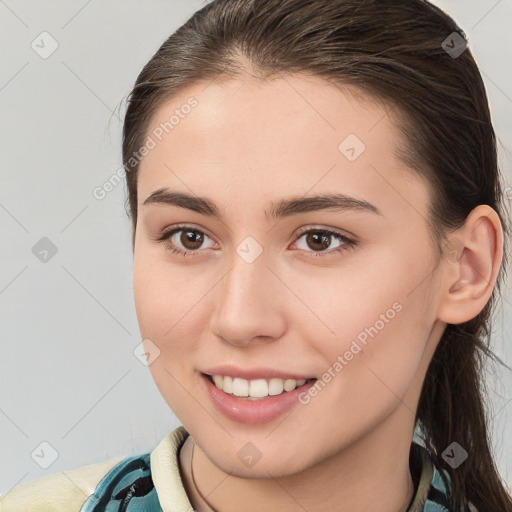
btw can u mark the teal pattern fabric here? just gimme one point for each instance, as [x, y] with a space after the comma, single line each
[436, 497]
[128, 487]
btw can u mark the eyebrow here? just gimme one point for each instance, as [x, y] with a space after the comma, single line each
[280, 209]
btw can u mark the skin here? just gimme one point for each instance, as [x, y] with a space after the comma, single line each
[249, 143]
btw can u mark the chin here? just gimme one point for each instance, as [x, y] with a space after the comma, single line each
[249, 462]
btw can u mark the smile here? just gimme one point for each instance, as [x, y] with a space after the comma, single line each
[255, 389]
[248, 409]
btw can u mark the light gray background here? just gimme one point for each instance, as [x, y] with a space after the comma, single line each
[68, 374]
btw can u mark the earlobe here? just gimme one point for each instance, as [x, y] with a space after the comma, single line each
[472, 258]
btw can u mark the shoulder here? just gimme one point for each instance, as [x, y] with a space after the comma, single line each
[151, 481]
[60, 492]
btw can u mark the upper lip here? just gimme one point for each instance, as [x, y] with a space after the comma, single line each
[254, 373]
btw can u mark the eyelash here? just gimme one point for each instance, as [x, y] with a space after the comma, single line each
[347, 242]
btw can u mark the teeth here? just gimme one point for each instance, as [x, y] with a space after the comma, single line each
[254, 389]
[257, 388]
[218, 380]
[240, 387]
[289, 384]
[275, 386]
[226, 384]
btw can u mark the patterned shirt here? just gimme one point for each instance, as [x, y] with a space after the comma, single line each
[130, 488]
[152, 482]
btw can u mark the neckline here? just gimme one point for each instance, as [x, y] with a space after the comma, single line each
[167, 473]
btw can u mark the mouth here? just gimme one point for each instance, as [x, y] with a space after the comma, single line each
[256, 389]
[238, 404]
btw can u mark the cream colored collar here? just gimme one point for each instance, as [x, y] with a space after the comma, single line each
[165, 473]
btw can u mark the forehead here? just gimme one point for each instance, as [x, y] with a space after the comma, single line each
[292, 108]
[293, 135]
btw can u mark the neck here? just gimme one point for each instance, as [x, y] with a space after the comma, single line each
[371, 475]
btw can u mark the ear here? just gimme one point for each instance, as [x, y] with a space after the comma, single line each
[472, 258]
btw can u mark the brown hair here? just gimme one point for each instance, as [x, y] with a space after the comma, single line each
[394, 51]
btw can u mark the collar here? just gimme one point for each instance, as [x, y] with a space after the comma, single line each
[165, 472]
[430, 491]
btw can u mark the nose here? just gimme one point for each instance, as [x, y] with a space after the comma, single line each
[249, 303]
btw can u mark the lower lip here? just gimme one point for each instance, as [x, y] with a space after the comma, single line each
[253, 412]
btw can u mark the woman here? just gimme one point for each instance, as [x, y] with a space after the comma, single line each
[318, 234]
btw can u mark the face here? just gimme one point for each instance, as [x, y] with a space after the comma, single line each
[340, 292]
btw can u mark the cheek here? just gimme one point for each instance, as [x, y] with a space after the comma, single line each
[167, 317]
[375, 327]
[166, 298]
[370, 370]
[344, 304]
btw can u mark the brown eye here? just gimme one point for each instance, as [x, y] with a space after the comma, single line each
[317, 241]
[191, 240]
[184, 240]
